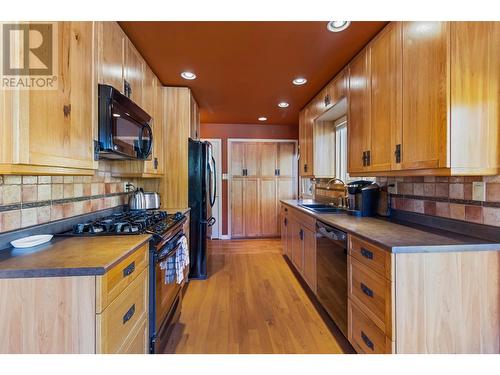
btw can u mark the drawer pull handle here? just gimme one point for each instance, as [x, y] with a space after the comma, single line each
[366, 253]
[366, 290]
[367, 341]
[129, 314]
[129, 269]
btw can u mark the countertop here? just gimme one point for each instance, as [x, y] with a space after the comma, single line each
[398, 238]
[69, 256]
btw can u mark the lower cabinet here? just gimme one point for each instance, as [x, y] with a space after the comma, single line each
[78, 314]
[298, 238]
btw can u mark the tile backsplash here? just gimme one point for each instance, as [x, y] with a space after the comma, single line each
[32, 200]
[449, 197]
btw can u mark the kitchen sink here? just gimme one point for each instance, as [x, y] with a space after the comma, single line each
[322, 208]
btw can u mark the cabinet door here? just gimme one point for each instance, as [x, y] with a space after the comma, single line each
[237, 158]
[286, 160]
[148, 88]
[134, 72]
[297, 245]
[309, 139]
[159, 125]
[302, 142]
[110, 46]
[425, 95]
[336, 89]
[251, 207]
[475, 88]
[385, 125]
[195, 119]
[252, 159]
[268, 159]
[268, 207]
[60, 122]
[284, 234]
[358, 125]
[237, 208]
[309, 271]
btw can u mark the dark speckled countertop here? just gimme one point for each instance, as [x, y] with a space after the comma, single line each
[396, 237]
[69, 256]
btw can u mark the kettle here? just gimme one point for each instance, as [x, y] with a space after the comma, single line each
[137, 200]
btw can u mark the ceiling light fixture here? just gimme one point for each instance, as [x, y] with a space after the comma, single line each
[188, 75]
[299, 81]
[262, 118]
[283, 104]
[336, 26]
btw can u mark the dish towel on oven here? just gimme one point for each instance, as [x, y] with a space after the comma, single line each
[169, 266]
[181, 259]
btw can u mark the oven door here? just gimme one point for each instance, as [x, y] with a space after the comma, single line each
[166, 299]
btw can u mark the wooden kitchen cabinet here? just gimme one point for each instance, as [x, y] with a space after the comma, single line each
[268, 171]
[298, 236]
[34, 121]
[395, 301]
[195, 119]
[358, 118]
[134, 73]
[110, 54]
[426, 61]
[385, 98]
[79, 314]
[177, 108]
[423, 100]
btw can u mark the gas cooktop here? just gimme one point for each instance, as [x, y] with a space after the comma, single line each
[130, 222]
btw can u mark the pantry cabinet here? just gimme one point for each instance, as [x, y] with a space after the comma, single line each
[262, 173]
[33, 121]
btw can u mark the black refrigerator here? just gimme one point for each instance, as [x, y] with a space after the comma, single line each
[202, 193]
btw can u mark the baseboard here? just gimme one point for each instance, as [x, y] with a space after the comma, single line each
[225, 237]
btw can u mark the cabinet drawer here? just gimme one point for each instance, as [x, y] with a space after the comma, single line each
[139, 340]
[370, 255]
[364, 335]
[113, 282]
[116, 325]
[284, 210]
[371, 292]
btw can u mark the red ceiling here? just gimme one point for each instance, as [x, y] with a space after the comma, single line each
[245, 68]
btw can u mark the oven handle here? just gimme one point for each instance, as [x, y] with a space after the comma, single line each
[168, 254]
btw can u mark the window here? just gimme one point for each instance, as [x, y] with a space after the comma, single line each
[341, 149]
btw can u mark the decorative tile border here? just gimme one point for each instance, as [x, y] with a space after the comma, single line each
[449, 200]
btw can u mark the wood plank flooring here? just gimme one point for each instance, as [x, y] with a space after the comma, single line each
[251, 303]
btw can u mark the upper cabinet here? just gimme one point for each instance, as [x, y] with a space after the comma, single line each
[426, 88]
[121, 66]
[133, 74]
[51, 131]
[195, 119]
[423, 100]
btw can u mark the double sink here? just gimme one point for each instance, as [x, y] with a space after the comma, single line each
[322, 208]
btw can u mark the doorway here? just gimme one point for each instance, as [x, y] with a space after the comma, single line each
[217, 208]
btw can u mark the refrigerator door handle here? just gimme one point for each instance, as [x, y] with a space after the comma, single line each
[213, 176]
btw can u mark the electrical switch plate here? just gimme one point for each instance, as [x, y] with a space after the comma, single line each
[478, 191]
[224, 176]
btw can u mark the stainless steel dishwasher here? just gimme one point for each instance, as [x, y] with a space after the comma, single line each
[331, 268]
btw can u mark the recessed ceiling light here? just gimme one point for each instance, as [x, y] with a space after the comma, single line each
[283, 104]
[262, 118]
[336, 26]
[299, 81]
[188, 75]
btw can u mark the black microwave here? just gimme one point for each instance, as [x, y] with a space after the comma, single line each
[124, 127]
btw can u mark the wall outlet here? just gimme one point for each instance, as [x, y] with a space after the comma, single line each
[479, 191]
[224, 176]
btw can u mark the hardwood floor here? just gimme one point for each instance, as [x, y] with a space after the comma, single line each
[251, 303]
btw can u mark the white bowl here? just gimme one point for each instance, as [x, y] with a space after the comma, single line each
[31, 241]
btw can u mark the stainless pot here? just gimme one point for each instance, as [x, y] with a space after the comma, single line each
[137, 200]
[152, 200]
